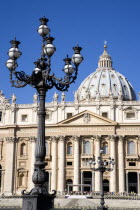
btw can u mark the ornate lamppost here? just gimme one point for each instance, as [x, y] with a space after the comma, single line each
[42, 80]
[102, 167]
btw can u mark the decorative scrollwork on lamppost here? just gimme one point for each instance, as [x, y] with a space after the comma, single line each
[102, 167]
[42, 80]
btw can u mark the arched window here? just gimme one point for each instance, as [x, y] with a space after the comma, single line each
[47, 148]
[69, 148]
[131, 148]
[86, 147]
[21, 180]
[23, 149]
[105, 148]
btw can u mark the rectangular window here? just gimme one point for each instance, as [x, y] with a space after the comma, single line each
[47, 117]
[105, 114]
[24, 118]
[132, 164]
[69, 115]
[130, 115]
[69, 163]
[0, 116]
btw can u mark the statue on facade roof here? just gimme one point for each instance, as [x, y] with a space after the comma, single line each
[35, 98]
[62, 97]
[55, 97]
[76, 95]
[13, 98]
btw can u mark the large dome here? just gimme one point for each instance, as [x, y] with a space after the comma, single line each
[106, 83]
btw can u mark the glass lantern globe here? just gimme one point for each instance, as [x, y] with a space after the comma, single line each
[49, 49]
[77, 59]
[68, 69]
[11, 64]
[43, 30]
[14, 53]
[36, 70]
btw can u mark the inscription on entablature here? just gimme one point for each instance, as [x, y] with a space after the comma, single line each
[79, 129]
[129, 129]
[27, 131]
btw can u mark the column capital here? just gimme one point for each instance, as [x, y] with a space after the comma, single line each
[61, 138]
[138, 137]
[53, 138]
[97, 138]
[11, 139]
[121, 138]
[112, 137]
[1, 139]
[76, 138]
[32, 139]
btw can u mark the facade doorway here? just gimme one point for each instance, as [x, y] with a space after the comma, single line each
[87, 179]
[106, 185]
[69, 185]
[132, 182]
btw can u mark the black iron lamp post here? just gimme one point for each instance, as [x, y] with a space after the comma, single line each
[42, 80]
[102, 167]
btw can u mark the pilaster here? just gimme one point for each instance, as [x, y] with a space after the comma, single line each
[61, 172]
[121, 164]
[9, 166]
[32, 140]
[97, 154]
[76, 163]
[54, 164]
[113, 155]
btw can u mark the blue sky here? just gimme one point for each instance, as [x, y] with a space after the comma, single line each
[86, 22]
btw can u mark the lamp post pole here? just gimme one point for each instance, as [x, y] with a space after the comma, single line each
[42, 80]
[102, 167]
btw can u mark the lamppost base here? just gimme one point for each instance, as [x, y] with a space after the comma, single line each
[102, 208]
[38, 201]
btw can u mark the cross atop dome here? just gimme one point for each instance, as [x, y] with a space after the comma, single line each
[105, 44]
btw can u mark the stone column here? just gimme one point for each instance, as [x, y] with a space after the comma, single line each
[32, 153]
[113, 155]
[54, 164]
[61, 173]
[9, 166]
[121, 164]
[97, 154]
[76, 163]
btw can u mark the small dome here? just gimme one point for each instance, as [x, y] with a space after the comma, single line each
[105, 83]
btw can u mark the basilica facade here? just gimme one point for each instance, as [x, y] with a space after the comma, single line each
[105, 114]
